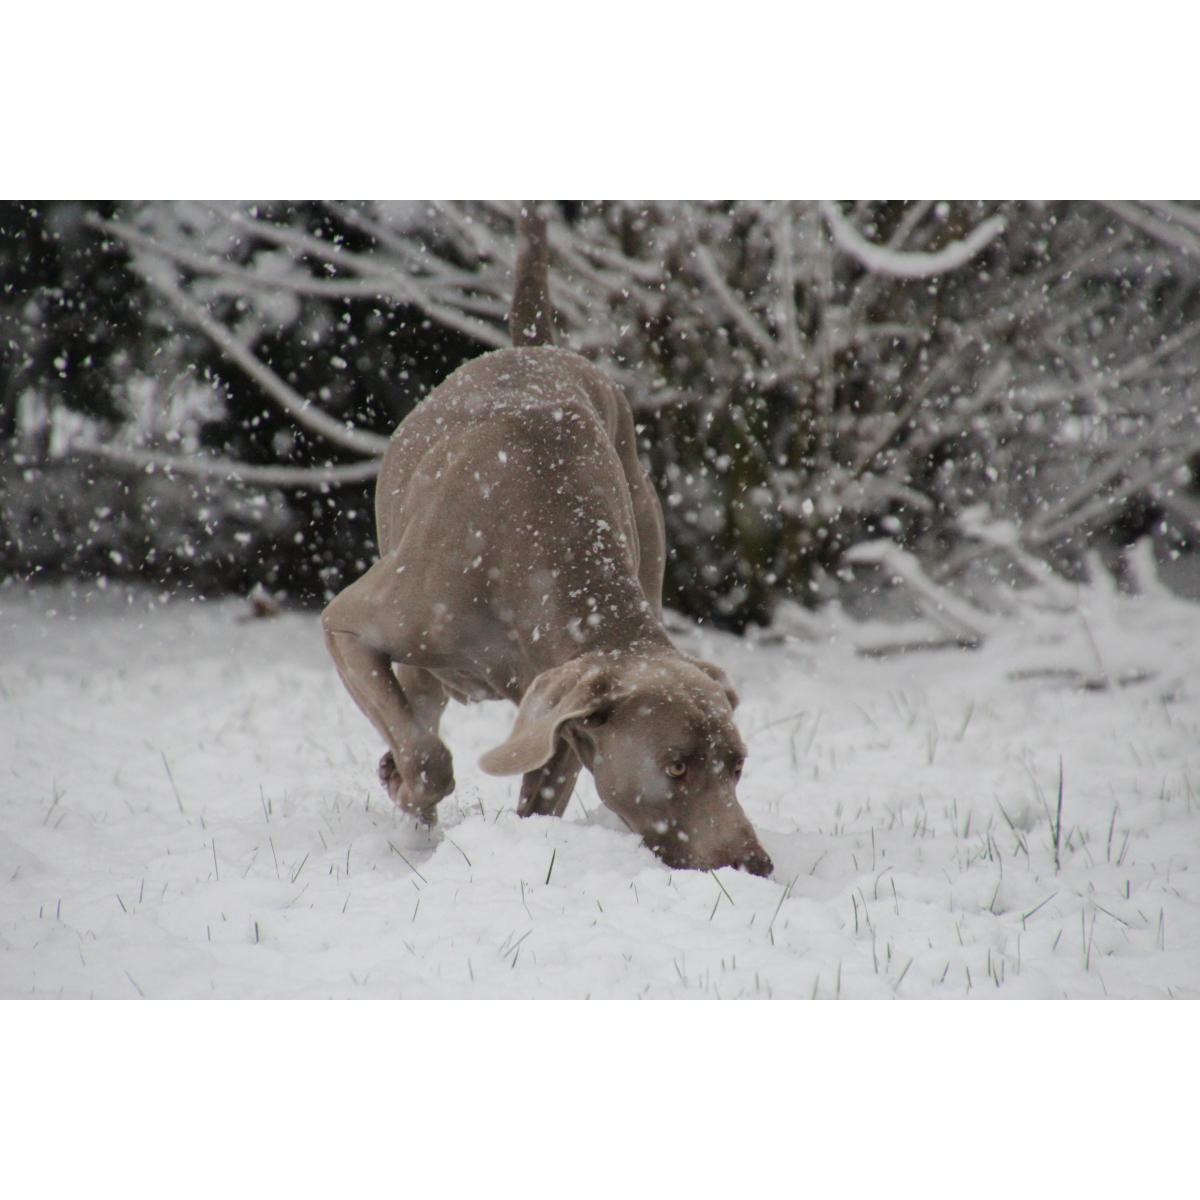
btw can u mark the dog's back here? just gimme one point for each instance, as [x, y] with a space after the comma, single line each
[529, 436]
[497, 425]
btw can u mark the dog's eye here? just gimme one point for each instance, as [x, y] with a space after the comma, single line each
[737, 768]
[598, 718]
[677, 769]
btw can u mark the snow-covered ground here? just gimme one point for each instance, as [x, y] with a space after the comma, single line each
[190, 809]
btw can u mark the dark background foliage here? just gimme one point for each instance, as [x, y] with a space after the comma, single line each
[77, 323]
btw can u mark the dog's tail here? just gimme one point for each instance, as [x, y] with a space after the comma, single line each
[531, 319]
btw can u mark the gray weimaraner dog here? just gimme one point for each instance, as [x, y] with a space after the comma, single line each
[522, 557]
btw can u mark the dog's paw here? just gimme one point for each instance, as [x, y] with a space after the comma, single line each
[417, 787]
[398, 790]
[388, 775]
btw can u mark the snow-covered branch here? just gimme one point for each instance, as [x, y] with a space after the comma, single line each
[1104, 503]
[962, 622]
[735, 310]
[1185, 238]
[908, 264]
[231, 470]
[402, 286]
[304, 413]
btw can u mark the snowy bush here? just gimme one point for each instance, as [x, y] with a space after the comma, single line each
[808, 377]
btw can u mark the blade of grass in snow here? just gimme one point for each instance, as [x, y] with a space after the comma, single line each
[171, 777]
[402, 859]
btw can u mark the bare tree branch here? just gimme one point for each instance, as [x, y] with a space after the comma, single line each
[1183, 240]
[404, 288]
[1103, 504]
[300, 410]
[906, 264]
[787, 316]
[334, 475]
[911, 218]
[734, 308]
[1170, 211]
[247, 277]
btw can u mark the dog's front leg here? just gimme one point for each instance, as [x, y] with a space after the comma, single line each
[426, 773]
[417, 770]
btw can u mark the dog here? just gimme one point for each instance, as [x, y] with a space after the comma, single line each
[522, 551]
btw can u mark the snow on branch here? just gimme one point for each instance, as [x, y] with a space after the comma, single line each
[734, 308]
[1168, 227]
[302, 411]
[230, 470]
[962, 622]
[1104, 504]
[245, 277]
[907, 264]
[1169, 210]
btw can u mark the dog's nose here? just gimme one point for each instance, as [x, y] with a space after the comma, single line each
[757, 863]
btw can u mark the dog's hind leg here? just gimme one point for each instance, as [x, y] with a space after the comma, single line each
[546, 791]
[403, 703]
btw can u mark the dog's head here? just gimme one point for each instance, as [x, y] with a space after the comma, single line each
[658, 735]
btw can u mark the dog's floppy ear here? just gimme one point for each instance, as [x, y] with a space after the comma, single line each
[718, 676]
[560, 694]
